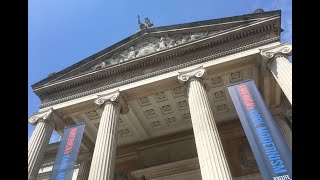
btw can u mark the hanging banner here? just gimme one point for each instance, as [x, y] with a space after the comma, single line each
[269, 147]
[67, 154]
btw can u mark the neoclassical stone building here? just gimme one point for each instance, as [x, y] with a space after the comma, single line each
[156, 105]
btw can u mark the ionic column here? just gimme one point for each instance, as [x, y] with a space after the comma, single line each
[212, 160]
[278, 63]
[104, 155]
[84, 168]
[39, 141]
[284, 128]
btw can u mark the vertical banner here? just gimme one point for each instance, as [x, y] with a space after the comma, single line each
[270, 149]
[67, 154]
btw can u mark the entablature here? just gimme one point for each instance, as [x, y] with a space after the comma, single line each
[207, 48]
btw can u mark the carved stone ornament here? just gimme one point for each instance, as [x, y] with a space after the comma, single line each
[186, 75]
[44, 115]
[113, 97]
[282, 49]
[150, 45]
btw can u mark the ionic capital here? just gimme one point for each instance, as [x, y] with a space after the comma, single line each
[279, 50]
[41, 116]
[197, 73]
[113, 97]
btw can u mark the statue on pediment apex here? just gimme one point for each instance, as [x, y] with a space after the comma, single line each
[147, 21]
[142, 26]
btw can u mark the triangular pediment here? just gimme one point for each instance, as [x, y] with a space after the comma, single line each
[152, 41]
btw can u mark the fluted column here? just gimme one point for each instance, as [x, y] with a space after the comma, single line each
[212, 160]
[39, 141]
[284, 128]
[84, 168]
[104, 155]
[278, 63]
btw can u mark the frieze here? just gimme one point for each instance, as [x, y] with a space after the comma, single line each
[150, 45]
[164, 67]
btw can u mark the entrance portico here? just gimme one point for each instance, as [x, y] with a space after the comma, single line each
[168, 114]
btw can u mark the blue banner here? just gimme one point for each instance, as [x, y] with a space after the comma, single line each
[67, 154]
[269, 147]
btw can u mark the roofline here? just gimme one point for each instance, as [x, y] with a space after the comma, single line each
[155, 29]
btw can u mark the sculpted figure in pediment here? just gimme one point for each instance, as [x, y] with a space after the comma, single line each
[214, 32]
[182, 39]
[162, 43]
[114, 60]
[195, 37]
[147, 49]
[99, 66]
[166, 42]
[129, 54]
[152, 44]
[171, 42]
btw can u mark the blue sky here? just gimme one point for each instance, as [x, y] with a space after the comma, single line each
[61, 33]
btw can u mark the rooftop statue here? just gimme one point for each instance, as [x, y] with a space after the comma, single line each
[147, 21]
[142, 26]
[145, 26]
[258, 10]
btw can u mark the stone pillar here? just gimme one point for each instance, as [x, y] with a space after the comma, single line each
[104, 155]
[212, 160]
[278, 63]
[284, 128]
[84, 168]
[39, 141]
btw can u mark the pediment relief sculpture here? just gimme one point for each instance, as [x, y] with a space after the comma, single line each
[150, 45]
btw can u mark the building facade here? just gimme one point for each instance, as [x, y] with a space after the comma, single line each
[156, 104]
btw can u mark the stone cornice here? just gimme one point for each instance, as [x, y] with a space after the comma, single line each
[168, 54]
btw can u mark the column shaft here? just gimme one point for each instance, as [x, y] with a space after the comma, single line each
[281, 69]
[285, 129]
[84, 170]
[212, 160]
[103, 161]
[37, 146]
